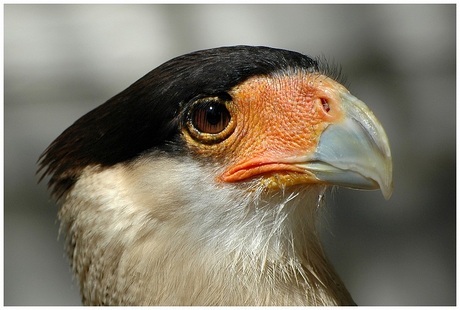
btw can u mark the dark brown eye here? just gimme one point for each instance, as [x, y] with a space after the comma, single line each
[211, 120]
[210, 117]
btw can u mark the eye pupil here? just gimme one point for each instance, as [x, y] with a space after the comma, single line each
[210, 117]
[214, 115]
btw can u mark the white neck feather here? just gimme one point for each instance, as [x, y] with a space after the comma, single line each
[167, 228]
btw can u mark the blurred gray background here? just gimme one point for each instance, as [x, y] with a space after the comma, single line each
[60, 61]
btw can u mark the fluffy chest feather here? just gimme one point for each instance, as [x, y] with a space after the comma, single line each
[136, 236]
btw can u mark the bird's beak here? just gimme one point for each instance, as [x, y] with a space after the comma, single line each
[308, 129]
[353, 152]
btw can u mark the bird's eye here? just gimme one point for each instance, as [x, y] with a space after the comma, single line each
[209, 120]
[210, 117]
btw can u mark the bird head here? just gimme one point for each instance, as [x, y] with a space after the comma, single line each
[255, 112]
[290, 128]
[230, 147]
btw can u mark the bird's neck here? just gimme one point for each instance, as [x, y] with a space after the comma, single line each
[269, 240]
[190, 246]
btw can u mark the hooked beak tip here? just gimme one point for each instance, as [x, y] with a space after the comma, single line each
[354, 152]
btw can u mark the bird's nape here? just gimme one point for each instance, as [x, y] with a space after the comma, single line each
[200, 183]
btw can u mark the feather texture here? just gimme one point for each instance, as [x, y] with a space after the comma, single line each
[130, 247]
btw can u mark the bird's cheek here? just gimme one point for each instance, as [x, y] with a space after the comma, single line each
[279, 126]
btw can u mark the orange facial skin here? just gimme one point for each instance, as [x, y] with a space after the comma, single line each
[278, 121]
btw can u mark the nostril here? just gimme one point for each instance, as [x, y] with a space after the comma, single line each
[325, 104]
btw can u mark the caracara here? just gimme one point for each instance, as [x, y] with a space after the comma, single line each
[200, 184]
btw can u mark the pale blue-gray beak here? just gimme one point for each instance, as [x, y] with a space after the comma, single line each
[355, 152]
